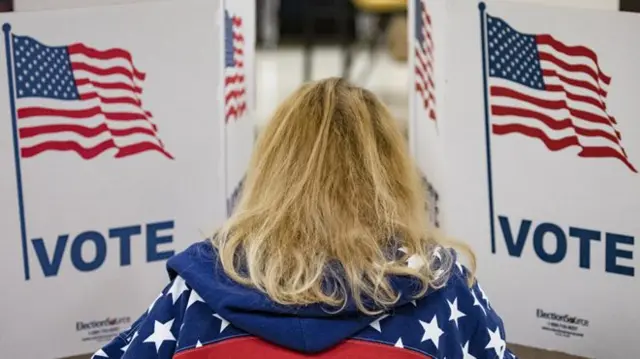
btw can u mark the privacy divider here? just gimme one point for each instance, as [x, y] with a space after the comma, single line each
[524, 120]
[126, 135]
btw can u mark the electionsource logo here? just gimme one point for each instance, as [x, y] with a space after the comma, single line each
[566, 318]
[563, 325]
[96, 324]
[102, 330]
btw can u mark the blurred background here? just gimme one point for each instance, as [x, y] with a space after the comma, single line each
[305, 40]
[365, 40]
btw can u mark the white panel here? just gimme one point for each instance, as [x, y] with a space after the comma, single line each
[239, 93]
[427, 65]
[560, 266]
[586, 4]
[97, 228]
[34, 5]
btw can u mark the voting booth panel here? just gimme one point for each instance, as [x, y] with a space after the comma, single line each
[540, 149]
[113, 147]
[611, 5]
[426, 62]
[36, 5]
[239, 93]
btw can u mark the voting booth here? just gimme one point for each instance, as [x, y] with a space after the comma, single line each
[37, 5]
[239, 95]
[524, 121]
[126, 133]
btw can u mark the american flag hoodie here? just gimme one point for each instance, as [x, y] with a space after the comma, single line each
[202, 313]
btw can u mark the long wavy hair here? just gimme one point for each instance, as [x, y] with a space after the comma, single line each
[332, 185]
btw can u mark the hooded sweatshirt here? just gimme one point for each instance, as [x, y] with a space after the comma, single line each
[202, 314]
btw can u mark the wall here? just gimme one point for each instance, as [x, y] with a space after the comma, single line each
[592, 4]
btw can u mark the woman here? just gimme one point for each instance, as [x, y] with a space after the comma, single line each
[328, 254]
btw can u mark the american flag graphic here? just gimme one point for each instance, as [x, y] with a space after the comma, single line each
[433, 202]
[234, 81]
[545, 89]
[425, 85]
[80, 99]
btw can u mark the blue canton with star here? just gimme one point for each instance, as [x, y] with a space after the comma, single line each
[42, 71]
[513, 55]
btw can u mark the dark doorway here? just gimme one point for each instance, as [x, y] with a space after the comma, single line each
[6, 5]
[325, 15]
[630, 5]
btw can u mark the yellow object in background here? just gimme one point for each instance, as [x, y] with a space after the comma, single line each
[397, 41]
[381, 5]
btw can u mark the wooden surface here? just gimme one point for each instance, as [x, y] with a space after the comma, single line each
[397, 41]
[532, 353]
[381, 5]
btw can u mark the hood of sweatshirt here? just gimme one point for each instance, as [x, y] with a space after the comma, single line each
[307, 329]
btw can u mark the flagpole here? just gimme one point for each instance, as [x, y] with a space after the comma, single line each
[6, 28]
[487, 125]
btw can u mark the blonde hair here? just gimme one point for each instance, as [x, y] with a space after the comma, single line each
[331, 195]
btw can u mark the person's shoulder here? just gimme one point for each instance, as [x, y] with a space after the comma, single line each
[457, 319]
[200, 268]
[458, 301]
[198, 256]
[202, 250]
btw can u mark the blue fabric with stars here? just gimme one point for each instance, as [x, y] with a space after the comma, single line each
[202, 306]
[513, 55]
[42, 71]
